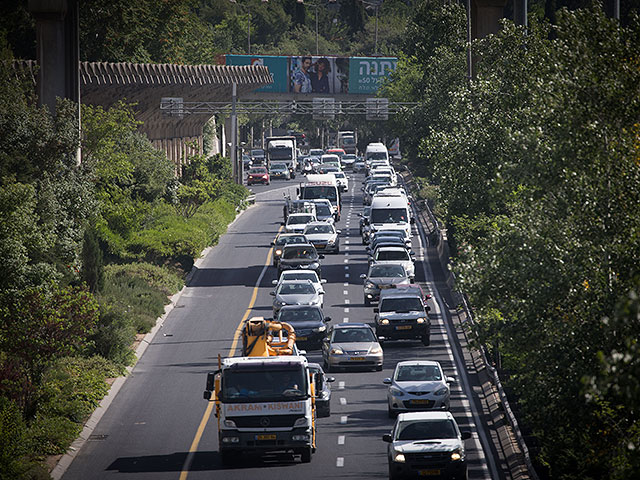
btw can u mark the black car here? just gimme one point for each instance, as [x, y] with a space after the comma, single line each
[323, 390]
[309, 323]
[303, 256]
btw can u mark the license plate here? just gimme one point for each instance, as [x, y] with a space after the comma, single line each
[420, 402]
[383, 287]
[301, 338]
[265, 437]
[356, 359]
[427, 473]
[403, 327]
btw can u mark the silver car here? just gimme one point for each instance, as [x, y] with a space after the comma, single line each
[323, 236]
[351, 345]
[382, 276]
[417, 385]
[296, 292]
[398, 256]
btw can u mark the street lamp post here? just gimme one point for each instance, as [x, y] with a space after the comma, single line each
[248, 7]
[376, 5]
[316, 6]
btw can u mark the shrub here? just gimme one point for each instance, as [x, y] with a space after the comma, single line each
[114, 335]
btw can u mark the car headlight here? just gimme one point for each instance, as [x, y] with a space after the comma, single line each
[320, 329]
[331, 241]
[456, 455]
[230, 424]
[375, 350]
[278, 252]
[336, 351]
[398, 457]
[370, 285]
[396, 392]
[441, 391]
[421, 320]
[314, 265]
[384, 321]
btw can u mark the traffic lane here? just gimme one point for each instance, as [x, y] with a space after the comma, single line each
[151, 423]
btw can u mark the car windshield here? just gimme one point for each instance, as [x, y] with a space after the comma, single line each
[386, 271]
[312, 229]
[389, 233]
[426, 430]
[390, 255]
[257, 153]
[302, 253]
[284, 239]
[299, 315]
[278, 167]
[240, 386]
[311, 192]
[388, 215]
[417, 373]
[377, 156]
[352, 335]
[407, 304]
[296, 289]
[323, 210]
[258, 171]
[294, 275]
[299, 219]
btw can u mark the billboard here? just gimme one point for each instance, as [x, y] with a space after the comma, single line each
[320, 74]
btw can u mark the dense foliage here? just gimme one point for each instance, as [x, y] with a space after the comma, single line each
[537, 162]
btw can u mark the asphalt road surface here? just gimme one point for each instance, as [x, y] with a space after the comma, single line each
[157, 426]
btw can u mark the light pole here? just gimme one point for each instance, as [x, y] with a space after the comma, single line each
[248, 7]
[316, 6]
[375, 4]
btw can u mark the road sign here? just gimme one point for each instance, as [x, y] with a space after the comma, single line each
[377, 108]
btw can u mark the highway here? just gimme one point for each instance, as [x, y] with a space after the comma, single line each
[157, 426]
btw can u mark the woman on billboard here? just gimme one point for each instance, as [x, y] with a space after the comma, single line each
[320, 76]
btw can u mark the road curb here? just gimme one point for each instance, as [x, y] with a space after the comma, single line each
[65, 461]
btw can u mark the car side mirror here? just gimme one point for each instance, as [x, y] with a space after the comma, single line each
[330, 379]
[273, 244]
[363, 275]
[321, 256]
[282, 223]
[273, 294]
[207, 395]
[450, 380]
[321, 292]
[274, 282]
[387, 381]
[327, 319]
[386, 438]
[338, 232]
[465, 434]
[376, 310]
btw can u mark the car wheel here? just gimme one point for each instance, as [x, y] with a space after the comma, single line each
[337, 249]
[390, 413]
[378, 368]
[426, 340]
[305, 455]
[412, 279]
[367, 302]
[393, 476]
[228, 458]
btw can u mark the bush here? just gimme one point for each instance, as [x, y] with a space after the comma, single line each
[140, 291]
[71, 389]
[114, 335]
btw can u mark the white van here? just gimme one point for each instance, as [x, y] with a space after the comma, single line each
[376, 151]
[322, 186]
[390, 212]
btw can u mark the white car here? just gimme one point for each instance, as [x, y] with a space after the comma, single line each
[398, 255]
[296, 292]
[310, 275]
[417, 385]
[342, 181]
[296, 222]
[323, 236]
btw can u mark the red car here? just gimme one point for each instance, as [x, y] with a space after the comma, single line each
[258, 175]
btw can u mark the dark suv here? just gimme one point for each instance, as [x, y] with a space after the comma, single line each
[302, 256]
[402, 314]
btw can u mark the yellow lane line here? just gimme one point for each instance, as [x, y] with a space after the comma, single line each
[207, 413]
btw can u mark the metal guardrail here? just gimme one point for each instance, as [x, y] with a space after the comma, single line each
[509, 415]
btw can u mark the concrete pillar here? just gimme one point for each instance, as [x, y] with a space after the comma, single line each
[486, 16]
[57, 50]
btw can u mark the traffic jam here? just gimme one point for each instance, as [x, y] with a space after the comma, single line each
[425, 440]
